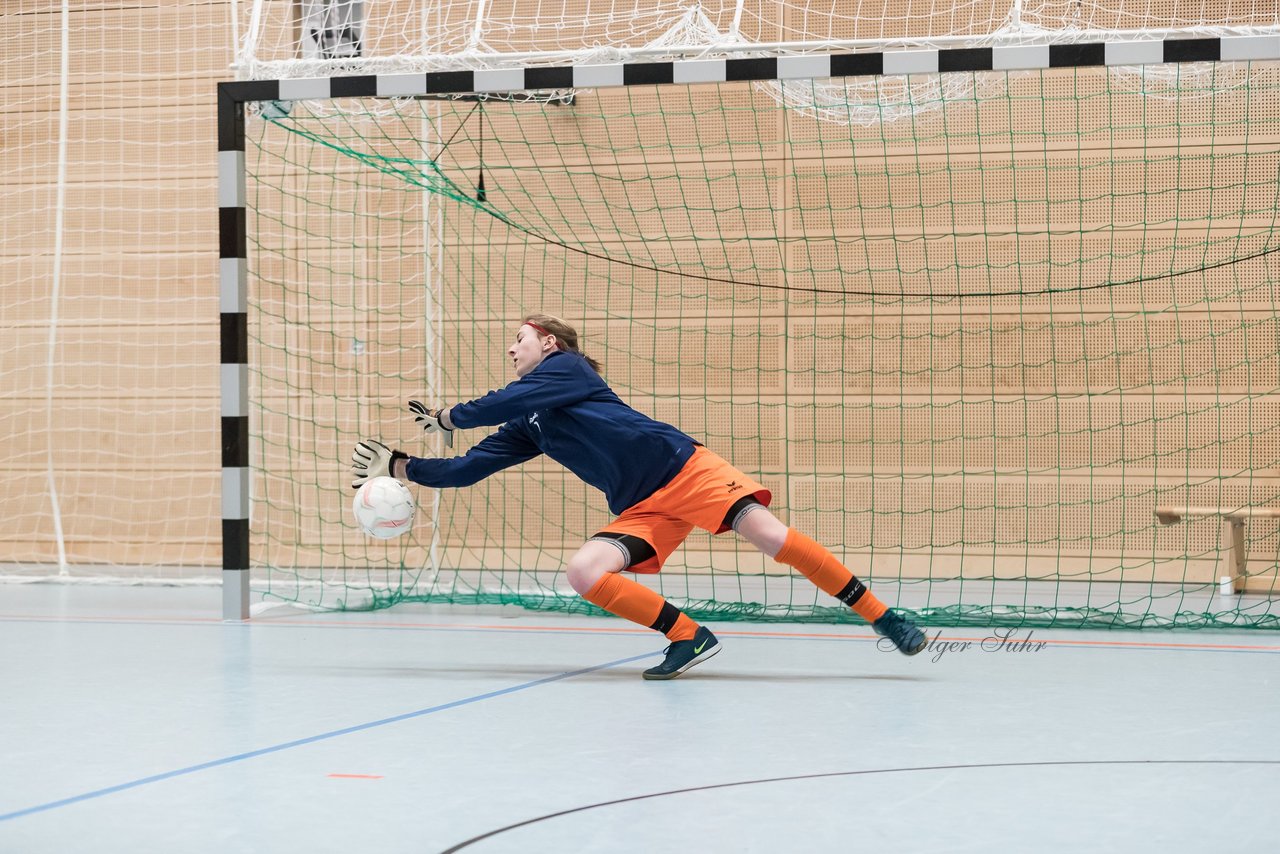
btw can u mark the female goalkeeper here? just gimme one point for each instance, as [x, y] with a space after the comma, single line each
[660, 483]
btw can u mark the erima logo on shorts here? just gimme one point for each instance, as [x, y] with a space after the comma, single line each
[734, 486]
[533, 421]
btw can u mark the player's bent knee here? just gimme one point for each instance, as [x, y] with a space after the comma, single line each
[590, 563]
[583, 574]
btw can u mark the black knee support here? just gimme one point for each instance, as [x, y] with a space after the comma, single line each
[634, 550]
[738, 510]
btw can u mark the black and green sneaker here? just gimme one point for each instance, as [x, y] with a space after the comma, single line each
[905, 636]
[681, 655]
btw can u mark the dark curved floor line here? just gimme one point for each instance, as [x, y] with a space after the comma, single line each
[527, 822]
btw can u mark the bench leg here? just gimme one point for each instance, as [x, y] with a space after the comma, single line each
[1234, 558]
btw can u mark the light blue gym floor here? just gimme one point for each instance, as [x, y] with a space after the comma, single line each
[133, 720]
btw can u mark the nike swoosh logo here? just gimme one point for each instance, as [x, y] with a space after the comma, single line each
[697, 650]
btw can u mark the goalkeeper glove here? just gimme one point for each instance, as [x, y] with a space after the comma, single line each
[432, 421]
[371, 458]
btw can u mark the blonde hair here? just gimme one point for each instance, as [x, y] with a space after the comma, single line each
[566, 335]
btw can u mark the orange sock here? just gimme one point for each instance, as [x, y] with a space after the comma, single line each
[821, 567]
[632, 601]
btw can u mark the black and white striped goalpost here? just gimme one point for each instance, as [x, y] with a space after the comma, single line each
[233, 307]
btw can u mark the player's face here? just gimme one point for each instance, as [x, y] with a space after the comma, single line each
[529, 350]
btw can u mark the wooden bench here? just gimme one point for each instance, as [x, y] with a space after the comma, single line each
[1235, 563]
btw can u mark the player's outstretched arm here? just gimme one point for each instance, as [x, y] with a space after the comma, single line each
[509, 446]
[433, 421]
[371, 458]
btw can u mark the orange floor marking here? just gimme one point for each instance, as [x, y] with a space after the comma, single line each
[356, 776]
[971, 633]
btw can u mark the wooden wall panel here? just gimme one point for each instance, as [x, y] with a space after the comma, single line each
[1132, 403]
[891, 19]
[1199, 437]
[1040, 516]
[142, 362]
[111, 436]
[1052, 110]
[104, 145]
[170, 509]
[118, 290]
[1037, 354]
[135, 404]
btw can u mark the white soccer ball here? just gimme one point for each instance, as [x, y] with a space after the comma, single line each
[383, 507]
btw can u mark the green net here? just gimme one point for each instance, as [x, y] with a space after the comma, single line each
[972, 331]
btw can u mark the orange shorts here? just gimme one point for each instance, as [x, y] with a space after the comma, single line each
[698, 496]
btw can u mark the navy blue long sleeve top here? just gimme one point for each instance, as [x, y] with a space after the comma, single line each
[564, 409]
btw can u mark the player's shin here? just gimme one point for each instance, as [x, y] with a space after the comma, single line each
[821, 567]
[829, 575]
[632, 601]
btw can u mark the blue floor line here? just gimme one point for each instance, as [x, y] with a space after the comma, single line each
[240, 757]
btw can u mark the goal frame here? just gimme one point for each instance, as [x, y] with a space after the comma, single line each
[234, 96]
